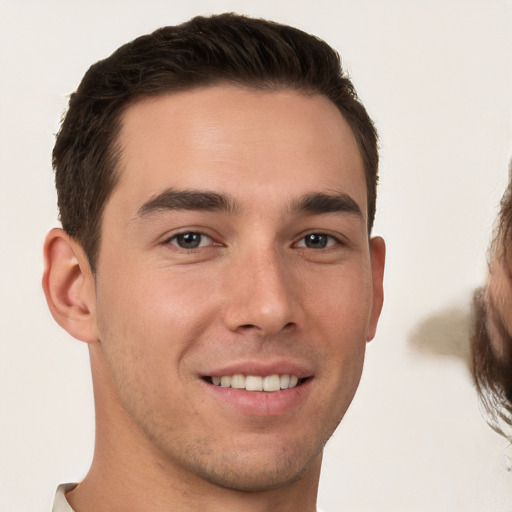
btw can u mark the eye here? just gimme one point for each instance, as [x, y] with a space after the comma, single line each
[190, 240]
[317, 241]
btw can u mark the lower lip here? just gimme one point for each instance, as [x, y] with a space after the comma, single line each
[261, 403]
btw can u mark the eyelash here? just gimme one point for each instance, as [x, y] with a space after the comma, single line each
[330, 240]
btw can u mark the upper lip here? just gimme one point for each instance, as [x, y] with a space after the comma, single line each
[262, 369]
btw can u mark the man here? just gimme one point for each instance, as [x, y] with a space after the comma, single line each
[216, 186]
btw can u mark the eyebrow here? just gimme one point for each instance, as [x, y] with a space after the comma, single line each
[172, 199]
[319, 202]
[313, 203]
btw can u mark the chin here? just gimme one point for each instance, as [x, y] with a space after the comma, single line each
[267, 477]
[256, 469]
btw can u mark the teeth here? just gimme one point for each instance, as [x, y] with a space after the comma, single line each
[272, 383]
[255, 383]
[238, 382]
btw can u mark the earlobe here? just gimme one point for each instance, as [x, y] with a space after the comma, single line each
[68, 285]
[378, 258]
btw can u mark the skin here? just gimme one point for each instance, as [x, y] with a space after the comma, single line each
[159, 318]
[499, 297]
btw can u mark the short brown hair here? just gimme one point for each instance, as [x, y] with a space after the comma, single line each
[226, 48]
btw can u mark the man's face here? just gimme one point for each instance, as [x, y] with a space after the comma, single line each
[236, 244]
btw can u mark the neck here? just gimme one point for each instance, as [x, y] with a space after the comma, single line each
[128, 473]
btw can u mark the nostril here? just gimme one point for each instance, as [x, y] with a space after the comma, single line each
[248, 326]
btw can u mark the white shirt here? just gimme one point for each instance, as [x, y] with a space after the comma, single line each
[60, 503]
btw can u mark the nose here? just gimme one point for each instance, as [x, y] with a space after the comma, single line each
[263, 295]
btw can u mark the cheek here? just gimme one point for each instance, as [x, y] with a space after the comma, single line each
[340, 318]
[341, 301]
[149, 300]
[151, 321]
[145, 333]
[145, 324]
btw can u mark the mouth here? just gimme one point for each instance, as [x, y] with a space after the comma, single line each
[269, 383]
[256, 389]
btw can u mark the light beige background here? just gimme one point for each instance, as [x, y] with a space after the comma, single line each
[437, 78]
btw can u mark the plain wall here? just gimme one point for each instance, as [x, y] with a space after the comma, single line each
[436, 76]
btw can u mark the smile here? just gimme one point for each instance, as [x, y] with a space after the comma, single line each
[270, 383]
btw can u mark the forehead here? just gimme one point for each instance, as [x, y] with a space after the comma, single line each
[237, 140]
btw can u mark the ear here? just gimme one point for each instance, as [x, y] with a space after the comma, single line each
[68, 285]
[377, 258]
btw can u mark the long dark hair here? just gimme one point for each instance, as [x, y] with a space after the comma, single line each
[492, 367]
